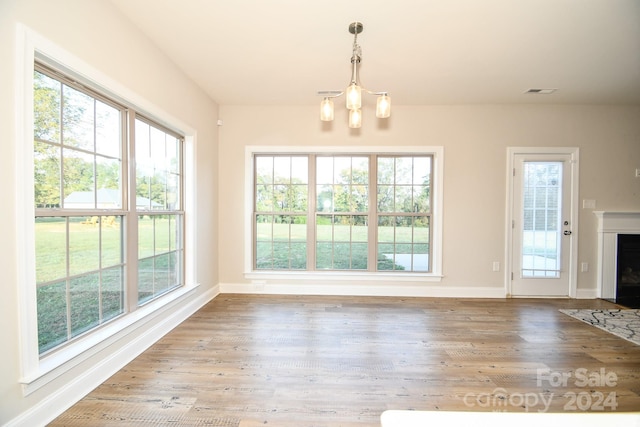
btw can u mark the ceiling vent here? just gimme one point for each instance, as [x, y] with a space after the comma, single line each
[540, 91]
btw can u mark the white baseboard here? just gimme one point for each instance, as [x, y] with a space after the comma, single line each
[365, 289]
[586, 294]
[164, 320]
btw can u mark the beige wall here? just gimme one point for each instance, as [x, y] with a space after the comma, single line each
[95, 33]
[475, 140]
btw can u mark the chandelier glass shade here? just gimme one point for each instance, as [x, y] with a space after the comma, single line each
[354, 91]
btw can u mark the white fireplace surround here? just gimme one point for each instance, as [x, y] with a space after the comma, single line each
[610, 224]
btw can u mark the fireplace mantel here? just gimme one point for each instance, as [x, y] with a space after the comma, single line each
[610, 224]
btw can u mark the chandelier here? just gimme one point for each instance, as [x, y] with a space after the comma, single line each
[354, 90]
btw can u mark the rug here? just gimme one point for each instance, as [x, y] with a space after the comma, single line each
[619, 322]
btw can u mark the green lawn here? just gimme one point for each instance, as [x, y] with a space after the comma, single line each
[339, 246]
[94, 292]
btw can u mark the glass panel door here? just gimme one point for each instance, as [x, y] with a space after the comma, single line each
[542, 228]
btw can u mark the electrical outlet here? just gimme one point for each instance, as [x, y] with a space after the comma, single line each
[588, 204]
[637, 173]
[496, 265]
[258, 285]
[584, 267]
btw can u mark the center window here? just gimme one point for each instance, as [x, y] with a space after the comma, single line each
[360, 212]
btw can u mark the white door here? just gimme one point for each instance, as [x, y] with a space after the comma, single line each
[542, 224]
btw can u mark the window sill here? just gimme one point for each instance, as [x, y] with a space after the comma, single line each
[343, 275]
[61, 361]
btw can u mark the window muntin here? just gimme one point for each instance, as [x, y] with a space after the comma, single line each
[358, 211]
[82, 214]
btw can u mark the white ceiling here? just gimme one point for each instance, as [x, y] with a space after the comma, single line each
[281, 52]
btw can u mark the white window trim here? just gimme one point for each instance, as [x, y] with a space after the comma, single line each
[35, 372]
[438, 174]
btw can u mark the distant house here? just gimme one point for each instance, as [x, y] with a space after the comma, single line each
[106, 199]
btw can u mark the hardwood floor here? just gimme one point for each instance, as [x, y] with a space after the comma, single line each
[256, 360]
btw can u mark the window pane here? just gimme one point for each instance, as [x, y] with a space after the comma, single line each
[173, 155]
[111, 241]
[342, 228]
[324, 255]
[145, 280]
[112, 293]
[300, 170]
[386, 229]
[161, 235]
[324, 170]
[280, 255]
[46, 168]
[264, 198]
[359, 256]
[341, 256]
[145, 236]
[386, 168]
[108, 178]
[160, 255]
[341, 198]
[342, 170]
[282, 170]
[264, 169]
[422, 170]
[173, 192]
[281, 198]
[264, 255]
[386, 198]
[158, 178]
[78, 180]
[299, 256]
[403, 202]
[385, 257]
[46, 108]
[264, 228]
[360, 229]
[421, 230]
[77, 119]
[84, 247]
[325, 198]
[108, 130]
[84, 292]
[360, 171]
[404, 170]
[421, 199]
[404, 229]
[52, 315]
[51, 249]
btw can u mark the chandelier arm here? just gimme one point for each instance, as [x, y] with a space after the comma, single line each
[375, 93]
[330, 93]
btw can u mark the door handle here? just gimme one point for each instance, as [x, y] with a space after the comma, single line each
[567, 232]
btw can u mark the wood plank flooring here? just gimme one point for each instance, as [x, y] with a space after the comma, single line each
[256, 360]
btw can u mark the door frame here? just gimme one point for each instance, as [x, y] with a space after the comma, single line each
[572, 270]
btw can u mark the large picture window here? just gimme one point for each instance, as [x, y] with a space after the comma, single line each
[85, 209]
[343, 212]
